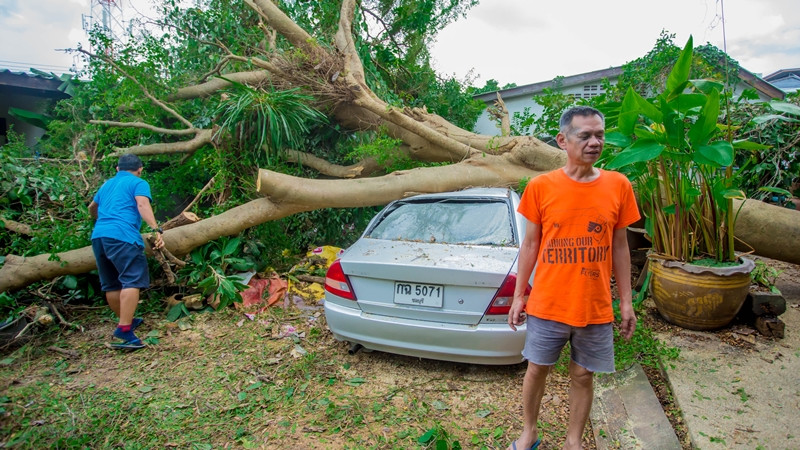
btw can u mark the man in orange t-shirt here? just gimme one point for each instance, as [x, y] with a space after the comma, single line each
[576, 234]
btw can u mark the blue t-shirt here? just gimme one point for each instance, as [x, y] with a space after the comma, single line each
[117, 214]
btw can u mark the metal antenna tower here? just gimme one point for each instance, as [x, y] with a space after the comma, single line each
[107, 15]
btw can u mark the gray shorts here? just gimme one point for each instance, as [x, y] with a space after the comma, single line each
[592, 345]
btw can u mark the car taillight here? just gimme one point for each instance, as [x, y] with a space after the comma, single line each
[336, 282]
[501, 303]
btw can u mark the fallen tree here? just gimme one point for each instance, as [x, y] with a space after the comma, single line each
[336, 76]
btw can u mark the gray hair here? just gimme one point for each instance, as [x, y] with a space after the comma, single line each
[565, 123]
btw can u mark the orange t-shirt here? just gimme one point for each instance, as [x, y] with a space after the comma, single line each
[572, 279]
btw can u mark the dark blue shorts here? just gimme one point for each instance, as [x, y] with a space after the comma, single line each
[121, 265]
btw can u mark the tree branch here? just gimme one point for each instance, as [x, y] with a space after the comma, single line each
[145, 126]
[360, 169]
[202, 137]
[147, 93]
[16, 227]
[216, 84]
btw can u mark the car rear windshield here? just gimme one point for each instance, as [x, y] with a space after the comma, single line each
[451, 222]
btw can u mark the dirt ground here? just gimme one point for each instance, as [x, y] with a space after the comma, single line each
[204, 367]
[241, 349]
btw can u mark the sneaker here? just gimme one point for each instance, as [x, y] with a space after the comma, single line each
[136, 322]
[135, 344]
[129, 340]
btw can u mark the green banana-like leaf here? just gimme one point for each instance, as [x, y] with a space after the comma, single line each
[641, 150]
[686, 102]
[628, 113]
[705, 126]
[33, 118]
[618, 139]
[673, 126]
[719, 153]
[679, 75]
[706, 86]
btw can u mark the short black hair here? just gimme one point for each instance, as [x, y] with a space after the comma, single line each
[129, 162]
[585, 111]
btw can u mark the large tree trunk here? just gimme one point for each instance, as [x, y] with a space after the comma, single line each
[758, 225]
[477, 160]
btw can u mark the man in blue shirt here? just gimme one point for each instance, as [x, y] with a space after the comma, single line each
[119, 207]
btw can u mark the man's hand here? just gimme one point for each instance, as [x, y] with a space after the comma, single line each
[159, 241]
[628, 323]
[516, 315]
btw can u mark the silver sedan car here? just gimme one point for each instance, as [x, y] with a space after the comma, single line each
[432, 276]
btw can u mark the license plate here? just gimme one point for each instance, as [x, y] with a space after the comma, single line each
[418, 294]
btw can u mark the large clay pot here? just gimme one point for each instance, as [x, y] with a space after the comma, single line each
[699, 297]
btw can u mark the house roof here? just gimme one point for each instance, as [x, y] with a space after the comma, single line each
[31, 84]
[783, 73]
[760, 84]
[530, 89]
[745, 76]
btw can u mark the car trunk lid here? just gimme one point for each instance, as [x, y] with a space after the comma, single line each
[461, 279]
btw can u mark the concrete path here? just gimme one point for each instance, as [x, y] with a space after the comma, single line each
[626, 414]
[743, 396]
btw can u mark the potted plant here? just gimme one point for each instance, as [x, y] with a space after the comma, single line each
[679, 158]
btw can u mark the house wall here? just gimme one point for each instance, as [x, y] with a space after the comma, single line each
[485, 125]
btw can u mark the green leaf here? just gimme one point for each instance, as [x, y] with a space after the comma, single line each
[706, 86]
[231, 246]
[6, 361]
[255, 385]
[648, 109]
[242, 396]
[784, 107]
[439, 405]
[734, 194]
[33, 118]
[618, 139]
[719, 153]
[357, 381]
[70, 282]
[775, 190]
[673, 126]
[176, 312]
[758, 120]
[482, 413]
[641, 150]
[744, 144]
[146, 389]
[628, 113]
[427, 437]
[706, 123]
[679, 76]
[686, 102]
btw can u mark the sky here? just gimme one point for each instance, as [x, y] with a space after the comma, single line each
[511, 41]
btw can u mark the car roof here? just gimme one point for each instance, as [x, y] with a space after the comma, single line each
[470, 192]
